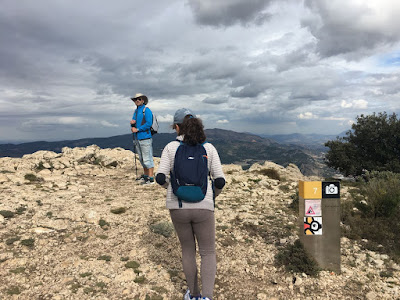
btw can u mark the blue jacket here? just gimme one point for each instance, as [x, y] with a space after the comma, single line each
[144, 130]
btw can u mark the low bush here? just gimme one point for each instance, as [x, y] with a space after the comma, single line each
[20, 210]
[271, 173]
[295, 259]
[140, 279]
[7, 214]
[39, 166]
[285, 188]
[104, 224]
[132, 264]
[12, 240]
[18, 270]
[32, 177]
[165, 229]
[28, 242]
[377, 214]
[104, 257]
[294, 205]
[14, 290]
[119, 210]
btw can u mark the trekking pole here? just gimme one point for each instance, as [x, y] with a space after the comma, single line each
[134, 151]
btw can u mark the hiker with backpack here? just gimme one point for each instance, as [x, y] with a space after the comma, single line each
[186, 169]
[141, 124]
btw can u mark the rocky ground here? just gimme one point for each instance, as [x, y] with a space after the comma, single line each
[75, 225]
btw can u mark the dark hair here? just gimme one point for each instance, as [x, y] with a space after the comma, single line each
[193, 130]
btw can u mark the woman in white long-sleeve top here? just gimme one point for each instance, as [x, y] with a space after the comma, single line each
[193, 220]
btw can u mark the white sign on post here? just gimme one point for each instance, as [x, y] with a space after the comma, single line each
[312, 208]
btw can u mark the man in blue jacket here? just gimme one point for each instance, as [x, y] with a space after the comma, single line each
[140, 126]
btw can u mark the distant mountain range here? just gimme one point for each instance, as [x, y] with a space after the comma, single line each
[313, 141]
[233, 147]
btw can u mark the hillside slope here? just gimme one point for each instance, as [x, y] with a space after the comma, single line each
[83, 229]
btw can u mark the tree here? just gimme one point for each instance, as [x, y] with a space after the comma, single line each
[372, 144]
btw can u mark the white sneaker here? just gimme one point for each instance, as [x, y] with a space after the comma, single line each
[148, 180]
[188, 297]
[140, 179]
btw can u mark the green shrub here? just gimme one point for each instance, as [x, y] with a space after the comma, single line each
[101, 284]
[377, 214]
[119, 210]
[294, 205]
[285, 188]
[18, 270]
[382, 194]
[20, 210]
[12, 240]
[104, 224]
[6, 172]
[104, 257]
[295, 259]
[255, 180]
[86, 274]
[271, 173]
[386, 274]
[132, 264]
[28, 242]
[32, 177]
[14, 290]
[39, 166]
[140, 279]
[7, 214]
[166, 229]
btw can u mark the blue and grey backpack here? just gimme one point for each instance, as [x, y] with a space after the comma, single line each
[189, 178]
[154, 124]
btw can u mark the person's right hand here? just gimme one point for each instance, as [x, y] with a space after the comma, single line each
[133, 122]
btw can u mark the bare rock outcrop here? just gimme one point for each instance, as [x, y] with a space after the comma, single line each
[76, 225]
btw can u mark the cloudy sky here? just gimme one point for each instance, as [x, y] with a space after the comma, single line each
[67, 67]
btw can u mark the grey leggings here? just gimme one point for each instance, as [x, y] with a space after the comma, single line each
[191, 224]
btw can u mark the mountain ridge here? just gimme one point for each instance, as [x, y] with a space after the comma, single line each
[234, 147]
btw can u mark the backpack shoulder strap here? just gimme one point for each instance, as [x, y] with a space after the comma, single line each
[144, 115]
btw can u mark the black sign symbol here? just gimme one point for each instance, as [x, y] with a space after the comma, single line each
[330, 189]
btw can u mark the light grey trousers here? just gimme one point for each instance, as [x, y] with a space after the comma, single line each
[192, 225]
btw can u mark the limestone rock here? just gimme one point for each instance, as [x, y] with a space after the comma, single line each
[66, 243]
[3, 178]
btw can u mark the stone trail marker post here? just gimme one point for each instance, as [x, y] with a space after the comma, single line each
[319, 221]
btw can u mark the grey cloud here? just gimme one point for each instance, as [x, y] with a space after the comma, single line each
[303, 57]
[250, 83]
[383, 84]
[249, 91]
[127, 76]
[347, 29]
[220, 65]
[60, 59]
[230, 12]
[215, 100]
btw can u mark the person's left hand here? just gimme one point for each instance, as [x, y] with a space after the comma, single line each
[134, 129]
